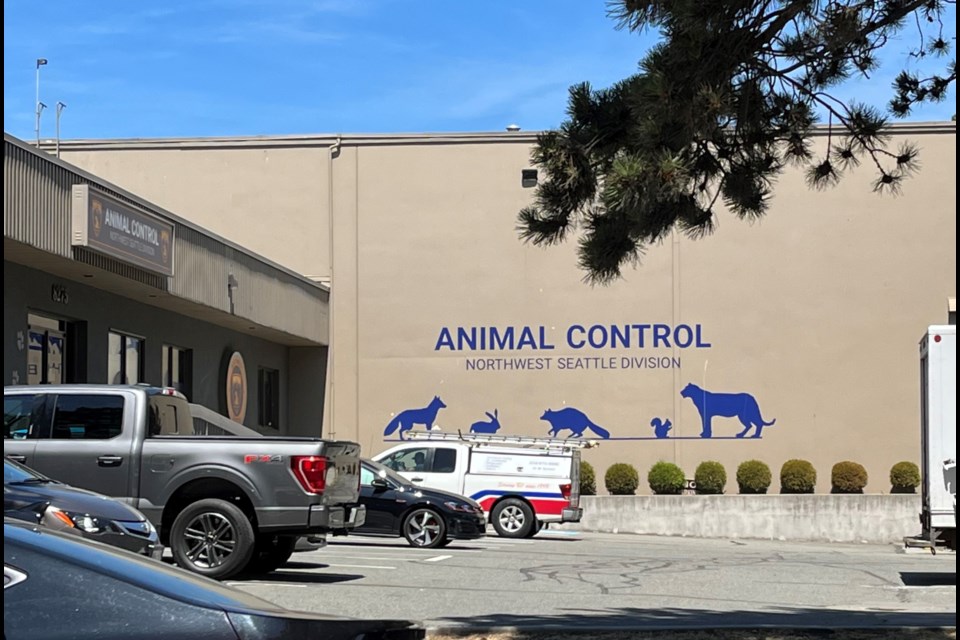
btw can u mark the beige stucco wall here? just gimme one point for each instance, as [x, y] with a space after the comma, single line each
[815, 311]
[272, 200]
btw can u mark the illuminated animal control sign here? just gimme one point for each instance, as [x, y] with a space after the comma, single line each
[530, 346]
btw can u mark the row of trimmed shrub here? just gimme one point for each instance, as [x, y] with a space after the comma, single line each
[753, 477]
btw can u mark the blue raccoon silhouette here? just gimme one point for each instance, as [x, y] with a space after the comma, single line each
[405, 420]
[574, 420]
[487, 427]
[741, 406]
[661, 428]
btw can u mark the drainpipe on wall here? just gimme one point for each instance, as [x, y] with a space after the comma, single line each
[334, 151]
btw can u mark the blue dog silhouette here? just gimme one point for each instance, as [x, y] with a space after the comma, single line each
[406, 419]
[742, 406]
[573, 419]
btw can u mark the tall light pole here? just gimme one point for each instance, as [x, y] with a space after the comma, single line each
[60, 107]
[40, 62]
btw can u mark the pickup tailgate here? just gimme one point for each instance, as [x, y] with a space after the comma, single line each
[343, 475]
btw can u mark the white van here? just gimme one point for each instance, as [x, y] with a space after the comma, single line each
[521, 483]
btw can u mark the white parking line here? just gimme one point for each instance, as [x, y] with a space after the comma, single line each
[438, 558]
[359, 566]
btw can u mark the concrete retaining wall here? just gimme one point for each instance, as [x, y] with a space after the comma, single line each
[835, 518]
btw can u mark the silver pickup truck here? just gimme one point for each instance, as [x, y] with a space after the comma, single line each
[223, 505]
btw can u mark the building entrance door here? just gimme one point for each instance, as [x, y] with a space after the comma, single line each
[46, 357]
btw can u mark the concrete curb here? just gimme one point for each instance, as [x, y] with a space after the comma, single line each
[466, 631]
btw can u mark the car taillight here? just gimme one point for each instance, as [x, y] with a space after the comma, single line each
[311, 472]
[565, 490]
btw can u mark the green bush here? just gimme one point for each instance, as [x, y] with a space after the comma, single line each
[797, 476]
[904, 477]
[754, 476]
[710, 477]
[588, 479]
[848, 477]
[666, 478]
[621, 479]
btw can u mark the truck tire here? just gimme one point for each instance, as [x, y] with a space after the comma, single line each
[513, 518]
[424, 528]
[271, 553]
[213, 538]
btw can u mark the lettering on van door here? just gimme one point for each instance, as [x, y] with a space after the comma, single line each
[546, 466]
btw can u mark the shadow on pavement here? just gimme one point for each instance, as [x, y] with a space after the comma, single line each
[295, 577]
[928, 578]
[613, 619]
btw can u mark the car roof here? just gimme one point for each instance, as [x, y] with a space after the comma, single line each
[142, 572]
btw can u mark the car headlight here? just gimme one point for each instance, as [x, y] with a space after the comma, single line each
[459, 506]
[59, 519]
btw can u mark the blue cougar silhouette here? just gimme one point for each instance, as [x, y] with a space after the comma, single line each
[406, 419]
[742, 406]
[573, 419]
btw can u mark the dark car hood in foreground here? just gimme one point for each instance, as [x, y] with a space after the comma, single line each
[251, 617]
[69, 498]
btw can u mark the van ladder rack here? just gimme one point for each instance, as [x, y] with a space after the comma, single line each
[520, 441]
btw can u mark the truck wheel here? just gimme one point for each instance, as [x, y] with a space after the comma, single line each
[424, 528]
[271, 553]
[513, 518]
[213, 538]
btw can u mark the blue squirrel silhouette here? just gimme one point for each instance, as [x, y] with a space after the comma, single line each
[573, 419]
[661, 428]
[741, 406]
[487, 427]
[405, 420]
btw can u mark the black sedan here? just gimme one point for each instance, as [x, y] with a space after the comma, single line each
[61, 586]
[427, 518]
[31, 496]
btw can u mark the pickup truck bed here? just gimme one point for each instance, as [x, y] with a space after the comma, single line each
[224, 504]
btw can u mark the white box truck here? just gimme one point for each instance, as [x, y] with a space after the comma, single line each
[522, 483]
[938, 435]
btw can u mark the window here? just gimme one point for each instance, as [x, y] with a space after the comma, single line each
[87, 417]
[444, 460]
[170, 416]
[124, 359]
[177, 367]
[366, 477]
[47, 350]
[415, 459]
[269, 386]
[18, 416]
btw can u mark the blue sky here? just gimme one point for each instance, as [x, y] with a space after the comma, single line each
[238, 67]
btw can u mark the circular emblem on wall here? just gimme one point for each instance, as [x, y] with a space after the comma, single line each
[236, 388]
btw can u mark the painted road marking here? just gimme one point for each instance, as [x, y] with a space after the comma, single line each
[359, 566]
[438, 558]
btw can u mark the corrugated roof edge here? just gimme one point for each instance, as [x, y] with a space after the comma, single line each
[149, 206]
[327, 139]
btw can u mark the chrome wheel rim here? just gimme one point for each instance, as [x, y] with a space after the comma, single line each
[423, 528]
[511, 518]
[210, 540]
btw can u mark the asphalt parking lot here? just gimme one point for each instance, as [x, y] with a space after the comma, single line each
[605, 581]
